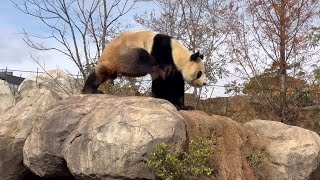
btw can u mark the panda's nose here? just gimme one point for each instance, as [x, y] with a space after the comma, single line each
[204, 83]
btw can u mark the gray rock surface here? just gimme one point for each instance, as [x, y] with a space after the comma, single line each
[6, 96]
[101, 136]
[15, 126]
[294, 151]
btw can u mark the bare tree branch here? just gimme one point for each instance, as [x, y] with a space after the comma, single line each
[75, 27]
[279, 32]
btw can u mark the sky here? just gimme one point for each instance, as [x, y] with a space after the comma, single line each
[16, 55]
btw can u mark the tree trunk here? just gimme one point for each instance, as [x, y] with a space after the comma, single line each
[283, 63]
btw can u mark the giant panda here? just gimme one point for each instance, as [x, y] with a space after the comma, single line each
[138, 53]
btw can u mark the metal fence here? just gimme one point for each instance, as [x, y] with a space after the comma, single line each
[34, 73]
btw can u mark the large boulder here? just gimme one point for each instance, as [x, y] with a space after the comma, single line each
[293, 151]
[258, 149]
[101, 137]
[15, 126]
[36, 95]
[6, 96]
[54, 80]
[233, 144]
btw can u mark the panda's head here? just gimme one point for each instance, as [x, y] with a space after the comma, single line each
[193, 71]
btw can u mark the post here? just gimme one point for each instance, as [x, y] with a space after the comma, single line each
[5, 75]
[37, 77]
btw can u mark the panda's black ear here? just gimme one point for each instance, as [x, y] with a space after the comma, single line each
[201, 56]
[194, 56]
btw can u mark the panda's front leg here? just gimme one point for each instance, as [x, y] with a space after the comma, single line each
[91, 85]
[176, 89]
[180, 105]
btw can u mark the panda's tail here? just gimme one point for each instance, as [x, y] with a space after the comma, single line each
[91, 85]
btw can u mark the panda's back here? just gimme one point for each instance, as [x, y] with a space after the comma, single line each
[129, 54]
[159, 46]
[132, 39]
[124, 43]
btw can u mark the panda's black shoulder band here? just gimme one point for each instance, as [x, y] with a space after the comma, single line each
[162, 50]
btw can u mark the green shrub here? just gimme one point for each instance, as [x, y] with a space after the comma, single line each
[120, 87]
[256, 158]
[170, 163]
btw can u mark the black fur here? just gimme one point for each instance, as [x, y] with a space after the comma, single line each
[161, 50]
[141, 62]
[195, 56]
[171, 88]
[91, 85]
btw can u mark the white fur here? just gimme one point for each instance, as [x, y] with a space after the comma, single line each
[188, 68]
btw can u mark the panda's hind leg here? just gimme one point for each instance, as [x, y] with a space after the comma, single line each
[137, 62]
[91, 85]
[100, 75]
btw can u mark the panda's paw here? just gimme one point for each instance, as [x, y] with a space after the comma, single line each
[168, 70]
[98, 92]
[91, 91]
[185, 108]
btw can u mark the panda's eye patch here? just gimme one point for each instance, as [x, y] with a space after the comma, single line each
[199, 74]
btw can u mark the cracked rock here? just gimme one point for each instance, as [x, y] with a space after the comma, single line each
[15, 125]
[101, 137]
[293, 151]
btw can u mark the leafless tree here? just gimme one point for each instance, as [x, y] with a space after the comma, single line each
[81, 28]
[274, 36]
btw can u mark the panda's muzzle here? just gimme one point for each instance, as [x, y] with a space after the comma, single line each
[198, 84]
